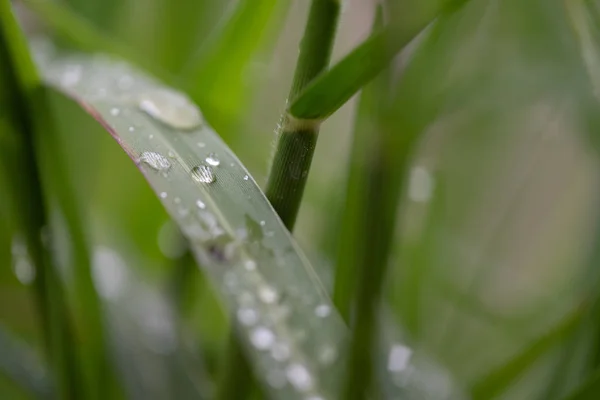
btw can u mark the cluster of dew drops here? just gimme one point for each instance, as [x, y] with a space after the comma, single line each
[176, 111]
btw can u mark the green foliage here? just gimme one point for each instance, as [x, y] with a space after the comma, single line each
[463, 217]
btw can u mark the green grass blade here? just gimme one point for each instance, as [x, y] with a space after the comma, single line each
[286, 320]
[588, 390]
[501, 378]
[216, 75]
[335, 87]
[84, 36]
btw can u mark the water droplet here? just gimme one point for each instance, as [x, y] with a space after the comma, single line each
[201, 144]
[155, 160]
[398, 358]
[203, 173]
[151, 136]
[213, 160]
[280, 351]
[247, 316]
[420, 187]
[171, 108]
[109, 273]
[267, 294]
[171, 154]
[114, 111]
[250, 265]
[246, 177]
[299, 377]
[327, 355]
[131, 129]
[200, 204]
[262, 338]
[322, 310]
[262, 223]
[163, 195]
[24, 270]
[71, 76]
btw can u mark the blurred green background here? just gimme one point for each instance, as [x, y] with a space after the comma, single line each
[498, 216]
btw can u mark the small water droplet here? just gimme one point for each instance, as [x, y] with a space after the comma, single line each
[246, 177]
[262, 223]
[201, 144]
[327, 355]
[131, 129]
[250, 265]
[171, 154]
[203, 173]
[262, 338]
[24, 270]
[151, 136]
[71, 76]
[213, 160]
[114, 111]
[299, 377]
[171, 108]
[322, 310]
[280, 351]
[420, 187]
[267, 294]
[247, 316]
[200, 204]
[399, 358]
[163, 195]
[155, 160]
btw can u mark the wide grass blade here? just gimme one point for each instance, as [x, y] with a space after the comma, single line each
[335, 87]
[284, 318]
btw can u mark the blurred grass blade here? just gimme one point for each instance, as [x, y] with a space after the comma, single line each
[84, 36]
[589, 390]
[21, 365]
[580, 16]
[219, 71]
[334, 88]
[285, 319]
[501, 378]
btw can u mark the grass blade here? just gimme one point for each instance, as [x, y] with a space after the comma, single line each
[588, 390]
[286, 319]
[500, 379]
[334, 88]
[216, 74]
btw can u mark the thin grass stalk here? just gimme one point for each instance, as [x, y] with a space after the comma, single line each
[296, 141]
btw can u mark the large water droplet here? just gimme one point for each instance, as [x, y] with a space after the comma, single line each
[213, 160]
[155, 160]
[203, 173]
[262, 338]
[171, 108]
[299, 377]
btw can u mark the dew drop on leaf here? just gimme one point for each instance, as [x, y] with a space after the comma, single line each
[299, 377]
[322, 310]
[203, 174]
[250, 265]
[171, 108]
[213, 160]
[247, 316]
[267, 294]
[155, 160]
[114, 111]
[262, 338]
[246, 177]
